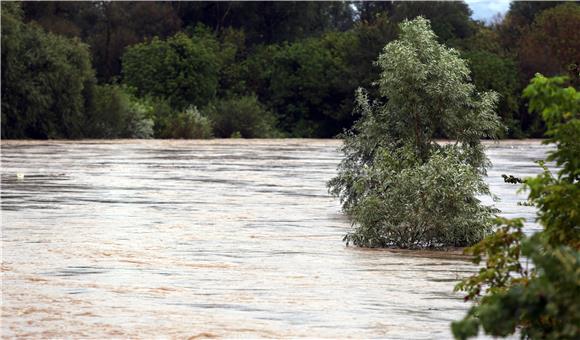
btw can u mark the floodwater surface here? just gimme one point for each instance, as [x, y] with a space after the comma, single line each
[220, 238]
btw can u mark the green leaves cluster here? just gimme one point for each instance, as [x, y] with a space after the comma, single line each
[502, 251]
[400, 187]
[114, 112]
[426, 204]
[311, 84]
[44, 80]
[243, 116]
[188, 124]
[186, 71]
[182, 69]
[541, 302]
[302, 61]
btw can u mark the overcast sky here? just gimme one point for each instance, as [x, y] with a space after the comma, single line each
[486, 9]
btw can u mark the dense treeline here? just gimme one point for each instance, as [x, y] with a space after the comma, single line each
[248, 69]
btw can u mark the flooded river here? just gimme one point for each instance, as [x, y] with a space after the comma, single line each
[220, 238]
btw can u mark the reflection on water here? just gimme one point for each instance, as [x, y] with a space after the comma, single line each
[222, 238]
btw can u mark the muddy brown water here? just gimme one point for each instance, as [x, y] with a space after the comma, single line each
[220, 238]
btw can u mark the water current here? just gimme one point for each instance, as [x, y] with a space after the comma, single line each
[219, 238]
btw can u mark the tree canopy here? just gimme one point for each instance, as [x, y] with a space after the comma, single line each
[400, 187]
[44, 80]
[302, 61]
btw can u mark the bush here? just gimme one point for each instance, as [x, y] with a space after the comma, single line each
[115, 113]
[183, 69]
[107, 111]
[139, 121]
[432, 204]
[187, 124]
[398, 185]
[44, 80]
[311, 85]
[243, 116]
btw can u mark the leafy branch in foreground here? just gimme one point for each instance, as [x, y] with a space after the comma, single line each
[542, 303]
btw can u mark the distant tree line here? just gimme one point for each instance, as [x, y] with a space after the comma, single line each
[109, 69]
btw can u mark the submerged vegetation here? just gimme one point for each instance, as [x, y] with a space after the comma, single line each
[399, 186]
[540, 300]
[297, 63]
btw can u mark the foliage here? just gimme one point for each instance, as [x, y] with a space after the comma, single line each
[182, 69]
[542, 303]
[429, 204]
[491, 71]
[270, 22]
[502, 251]
[302, 60]
[187, 124]
[449, 19]
[115, 113]
[139, 121]
[310, 82]
[107, 26]
[393, 163]
[245, 117]
[517, 20]
[371, 36]
[557, 197]
[232, 52]
[542, 307]
[540, 37]
[106, 116]
[551, 45]
[44, 80]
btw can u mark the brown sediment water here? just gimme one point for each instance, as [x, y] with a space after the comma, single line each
[212, 239]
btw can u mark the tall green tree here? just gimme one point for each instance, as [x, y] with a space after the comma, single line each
[184, 69]
[397, 184]
[311, 84]
[44, 80]
[520, 16]
[449, 19]
[107, 26]
[551, 46]
[269, 22]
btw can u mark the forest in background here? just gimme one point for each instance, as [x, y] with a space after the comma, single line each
[249, 69]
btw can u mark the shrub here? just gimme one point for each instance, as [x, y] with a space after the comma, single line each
[431, 204]
[139, 121]
[245, 116]
[115, 113]
[183, 69]
[107, 112]
[311, 85]
[188, 124]
[397, 184]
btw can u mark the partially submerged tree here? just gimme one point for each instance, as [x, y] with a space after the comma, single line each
[400, 187]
